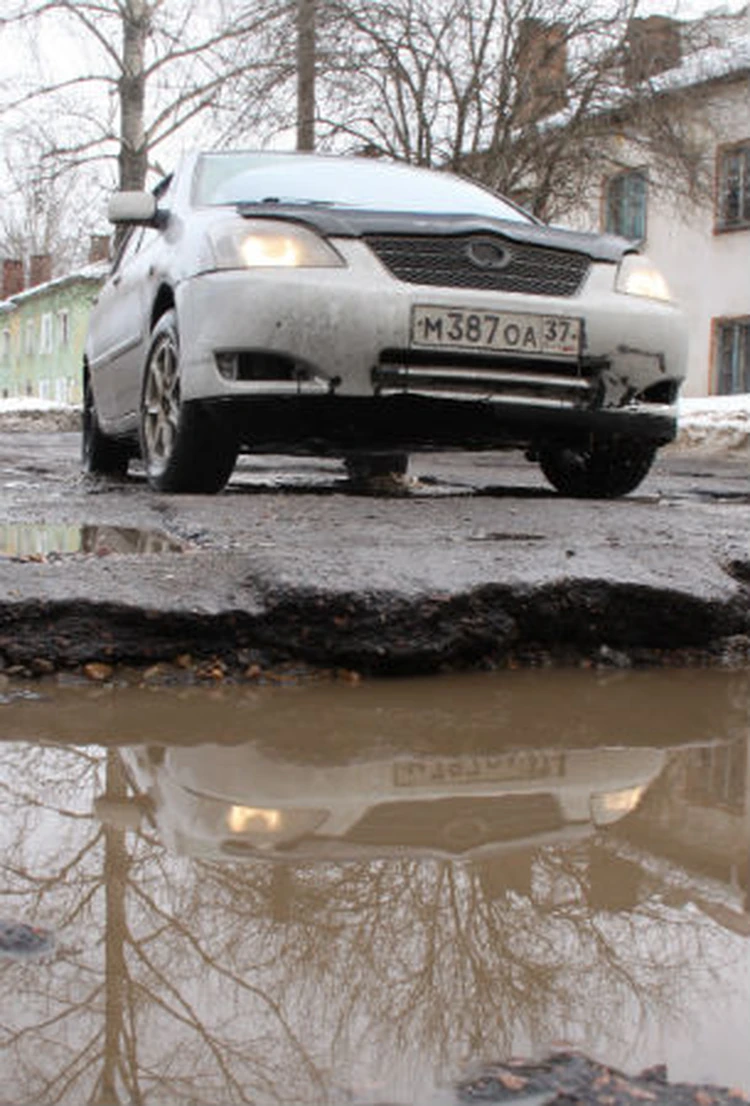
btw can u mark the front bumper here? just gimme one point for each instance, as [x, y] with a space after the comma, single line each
[334, 425]
[342, 336]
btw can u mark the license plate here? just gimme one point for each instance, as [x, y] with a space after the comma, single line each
[531, 764]
[495, 331]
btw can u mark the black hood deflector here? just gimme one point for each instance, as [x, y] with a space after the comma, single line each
[354, 223]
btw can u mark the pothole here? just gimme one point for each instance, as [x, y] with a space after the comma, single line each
[739, 570]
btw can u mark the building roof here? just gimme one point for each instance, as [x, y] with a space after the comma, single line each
[93, 273]
[715, 47]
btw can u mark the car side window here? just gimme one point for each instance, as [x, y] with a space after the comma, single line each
[128, 248]
[152, 234]
[163, 186]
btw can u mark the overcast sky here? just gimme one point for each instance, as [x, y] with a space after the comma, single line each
[689, 8]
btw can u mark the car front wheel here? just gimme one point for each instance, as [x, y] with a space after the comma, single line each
[184, 449]
[602, 469]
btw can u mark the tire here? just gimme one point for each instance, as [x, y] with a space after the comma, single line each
[604, 469]
[363, 466]
[184, 449]
[100, 455]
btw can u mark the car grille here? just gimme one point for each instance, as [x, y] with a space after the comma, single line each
[444, 262]
[457, 825]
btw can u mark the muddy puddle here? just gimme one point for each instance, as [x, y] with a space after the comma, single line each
[335, 894]
[25, 539]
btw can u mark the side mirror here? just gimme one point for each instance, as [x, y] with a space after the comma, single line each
[121, 814]
[135, 207]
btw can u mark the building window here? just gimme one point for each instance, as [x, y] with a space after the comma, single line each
[717, 776]
[5, 347]
[733, 199]
[625, 205]
[63, 329]
[732, 356]
[29, 343]
[46, 334]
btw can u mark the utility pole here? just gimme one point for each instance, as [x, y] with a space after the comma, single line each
[306, 74]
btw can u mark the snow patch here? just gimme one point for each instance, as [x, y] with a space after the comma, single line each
[714, 423]
[14, 404]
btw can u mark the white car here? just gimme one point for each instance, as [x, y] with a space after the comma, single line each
[365, 309]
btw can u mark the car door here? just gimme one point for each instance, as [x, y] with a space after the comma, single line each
[117, 329]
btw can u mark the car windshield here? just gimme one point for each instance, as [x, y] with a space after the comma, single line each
[342, 182]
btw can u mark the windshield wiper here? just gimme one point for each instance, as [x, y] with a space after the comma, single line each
[295, 201]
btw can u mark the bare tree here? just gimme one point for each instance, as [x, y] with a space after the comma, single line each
[306, 74]
[144, 993]
[155, 67]
[44, 213]
[522, 94]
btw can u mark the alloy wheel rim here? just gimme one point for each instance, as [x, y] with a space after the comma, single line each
[161, 403]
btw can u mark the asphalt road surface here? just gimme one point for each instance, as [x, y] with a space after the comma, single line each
[474, 560]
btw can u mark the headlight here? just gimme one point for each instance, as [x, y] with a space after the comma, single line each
[269, 244]
[265, 827]
[609, 806]
[637, 276]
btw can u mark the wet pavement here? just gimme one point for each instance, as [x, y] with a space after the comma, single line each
[235, 870]
[390, 891]
[471, 562]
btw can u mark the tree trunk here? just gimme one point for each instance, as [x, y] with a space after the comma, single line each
[133, 157]
[116, 864]
[305, 74]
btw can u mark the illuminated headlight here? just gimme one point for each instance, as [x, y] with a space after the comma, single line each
[609, 806]
[269, 244]
[637, 276]
[266, 827]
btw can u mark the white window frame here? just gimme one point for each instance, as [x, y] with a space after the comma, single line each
[732, 355]
[63, 329]
[29, 338]
[733, 187]
[46, 334]
[626, 204]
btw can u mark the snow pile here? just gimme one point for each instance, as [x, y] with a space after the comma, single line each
[41, 415]
[17, 404]
[714, 423]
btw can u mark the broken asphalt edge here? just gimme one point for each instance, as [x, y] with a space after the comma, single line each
[390, 634]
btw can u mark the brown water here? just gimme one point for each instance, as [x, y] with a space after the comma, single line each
[355, 894]
[27, 539]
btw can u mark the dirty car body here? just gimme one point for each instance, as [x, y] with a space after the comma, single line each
[363, 309]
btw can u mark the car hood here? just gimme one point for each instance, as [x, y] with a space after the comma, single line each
[355, 223]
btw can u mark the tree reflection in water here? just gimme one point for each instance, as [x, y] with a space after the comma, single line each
[181, 980]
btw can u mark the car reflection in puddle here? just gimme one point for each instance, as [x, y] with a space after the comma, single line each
[214, 801]
[384, 886]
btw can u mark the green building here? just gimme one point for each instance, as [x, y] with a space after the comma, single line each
[42, 335]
